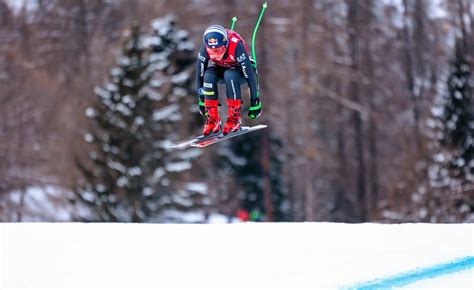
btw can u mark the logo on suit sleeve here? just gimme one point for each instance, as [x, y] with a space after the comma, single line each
[201, 57]
[244, 71]
[241, 58]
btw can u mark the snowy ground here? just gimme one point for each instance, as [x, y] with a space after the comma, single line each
[237, 256]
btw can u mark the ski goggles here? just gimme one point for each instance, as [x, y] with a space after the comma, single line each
[217, 52]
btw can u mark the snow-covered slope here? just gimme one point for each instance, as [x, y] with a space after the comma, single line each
[237, 256]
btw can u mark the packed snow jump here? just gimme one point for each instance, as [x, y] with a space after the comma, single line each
[224, 58]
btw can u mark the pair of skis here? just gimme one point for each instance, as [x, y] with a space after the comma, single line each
[204, 141]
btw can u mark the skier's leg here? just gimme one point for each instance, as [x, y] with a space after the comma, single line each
[232, 78]
[211, 102]
[211, 77]
[234, 102]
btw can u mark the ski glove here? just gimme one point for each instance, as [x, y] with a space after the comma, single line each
[255, 109]
[202, 108]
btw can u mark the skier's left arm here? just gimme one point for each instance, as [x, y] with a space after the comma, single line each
[244, 60]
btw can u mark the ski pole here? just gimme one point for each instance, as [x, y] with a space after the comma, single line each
[234, 20]
[254, 54]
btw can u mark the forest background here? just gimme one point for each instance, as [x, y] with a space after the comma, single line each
[369, 106]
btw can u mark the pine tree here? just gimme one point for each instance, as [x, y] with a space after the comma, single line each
[451, 171]
[458, 117]
[279, 192]
[243, 157]
[132, 176]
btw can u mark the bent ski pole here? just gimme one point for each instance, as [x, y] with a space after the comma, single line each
[254, 54]
[234, 20]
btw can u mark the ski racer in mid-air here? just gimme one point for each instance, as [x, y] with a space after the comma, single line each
[224, 58]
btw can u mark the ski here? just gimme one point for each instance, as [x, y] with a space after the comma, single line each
[216, 139]
[185, 144]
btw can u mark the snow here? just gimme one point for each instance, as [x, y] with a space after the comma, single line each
[117, 72]
[17, 5]
[166, 112]
[88, 138]
[135, 171]
[180, 92]
[101, 187]
[180, 78]
[128, 83]
[156, 83]
[139, 120]
[234, 159]
[129, 101]
[190, 153]
[124, 60]
[90, 112]
[111, 87]
[178, 166]
[162, 25]
[123, 181]
[436, 10]
[159, 172]
[200, 187]
[124, 110]
[455, 280]
[182, 34]
[42, 203]
[115, 165]
[147, 191]
[236, 256]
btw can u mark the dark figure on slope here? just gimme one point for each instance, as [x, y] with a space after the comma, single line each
[224, 58]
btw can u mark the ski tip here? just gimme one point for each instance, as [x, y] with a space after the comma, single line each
[178, 146]
[172, 147]
[256, 127]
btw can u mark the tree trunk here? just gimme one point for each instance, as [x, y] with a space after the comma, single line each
[266, 151]
[267, 185]
[369, 91]
[354, 35]
[409, 67]
[305, 60]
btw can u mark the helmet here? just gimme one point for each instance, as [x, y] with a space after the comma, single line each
[215, 36]
[216, 40]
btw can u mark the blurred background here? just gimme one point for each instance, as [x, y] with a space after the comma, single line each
[369, 105]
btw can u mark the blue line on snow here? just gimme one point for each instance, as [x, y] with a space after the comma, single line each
[417, 275]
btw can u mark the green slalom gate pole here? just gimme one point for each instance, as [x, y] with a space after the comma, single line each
[234, 20]
[254, 54]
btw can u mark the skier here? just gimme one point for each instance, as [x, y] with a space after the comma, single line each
[224, 58]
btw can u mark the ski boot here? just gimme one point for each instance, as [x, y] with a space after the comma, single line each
[213, 121]
[234, 116]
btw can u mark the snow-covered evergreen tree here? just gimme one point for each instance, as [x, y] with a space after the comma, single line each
[131, 176]
[451, 172]
[458, 117]
[243, 157]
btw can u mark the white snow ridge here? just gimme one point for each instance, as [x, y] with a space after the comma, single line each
[236, 256]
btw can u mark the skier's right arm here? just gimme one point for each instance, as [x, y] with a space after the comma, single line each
[201, 66]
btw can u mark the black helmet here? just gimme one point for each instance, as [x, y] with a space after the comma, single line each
[215, 36]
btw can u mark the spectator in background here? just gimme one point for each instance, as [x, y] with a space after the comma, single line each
[243, 214]
[256, 215]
